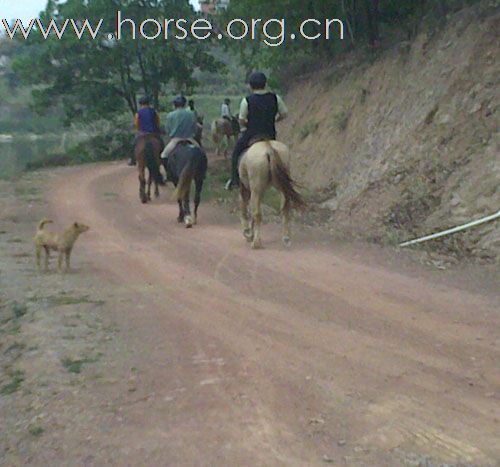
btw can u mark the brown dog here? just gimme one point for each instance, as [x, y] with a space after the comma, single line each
[62, 243]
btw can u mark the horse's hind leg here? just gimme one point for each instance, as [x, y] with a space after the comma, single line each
[197, 198]
[285, 218]
[244, 216]
[157, 189]
[188, 220]
[180, 219]
[142, 183]
[255, 203]
[150, 182]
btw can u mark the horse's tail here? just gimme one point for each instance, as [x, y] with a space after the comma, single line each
[152, 162]
[282, 178]
[42, 223]
[185, 180]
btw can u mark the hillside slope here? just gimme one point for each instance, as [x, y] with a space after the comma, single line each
[408, 144]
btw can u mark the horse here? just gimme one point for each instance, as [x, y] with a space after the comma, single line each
[147, 154]
[186, 163]
[223, 128]
[261, 167]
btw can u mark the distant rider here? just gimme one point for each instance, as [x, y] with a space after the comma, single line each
[146, 122]
[199, 122]
[225, 110]
[258, 114]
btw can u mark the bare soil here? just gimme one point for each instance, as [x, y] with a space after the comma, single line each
[403, 143]
[168, 346]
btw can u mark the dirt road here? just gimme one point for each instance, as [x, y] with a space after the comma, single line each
[296, 357]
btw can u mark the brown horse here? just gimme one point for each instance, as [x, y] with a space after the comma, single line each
[223, 128]
[147, 154]
[261, 167]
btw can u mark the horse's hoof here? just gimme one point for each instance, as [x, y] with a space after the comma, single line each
[287, 241]
[144, 200]
[256, 245]
[248, 234]
[189, 222]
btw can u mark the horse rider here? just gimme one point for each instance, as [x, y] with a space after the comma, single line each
[259, 113]
[199, 121]
[225, 111]
[146, 122]
[192, 108]
[181, 126]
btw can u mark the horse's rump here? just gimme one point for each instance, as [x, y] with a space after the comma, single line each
[280, 174]
[264, 161]
[148, 148]
[184, 164]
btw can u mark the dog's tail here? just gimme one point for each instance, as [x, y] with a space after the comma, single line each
[152, 163]
[42, 223]
[282, 178]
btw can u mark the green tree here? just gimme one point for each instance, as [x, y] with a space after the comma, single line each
[366, 23]
[96, 77]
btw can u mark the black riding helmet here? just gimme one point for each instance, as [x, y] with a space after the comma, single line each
[180, 101]
[258, 80]
[145, 100]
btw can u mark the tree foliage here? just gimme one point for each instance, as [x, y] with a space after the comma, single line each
[366, 23]
[94, 78]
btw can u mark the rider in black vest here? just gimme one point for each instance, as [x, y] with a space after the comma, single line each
[258, 114]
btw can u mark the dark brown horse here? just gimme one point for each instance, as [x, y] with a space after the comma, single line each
[147, 154]
[186, 164]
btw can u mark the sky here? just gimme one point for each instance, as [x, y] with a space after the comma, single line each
[28, 9]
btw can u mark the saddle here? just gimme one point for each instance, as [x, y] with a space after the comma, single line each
[259, 139]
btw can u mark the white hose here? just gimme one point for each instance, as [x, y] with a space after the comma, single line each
[453, 230]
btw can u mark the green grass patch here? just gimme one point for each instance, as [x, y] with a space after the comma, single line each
[21, 255]
[272, 198]
[308, 129]
[36, 431]
[75, 365]
[65, 299]
[13, 385]
[15, 347]
[341, 120]
[19, 310]
[24, 191]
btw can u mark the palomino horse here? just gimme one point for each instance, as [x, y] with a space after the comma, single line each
[185, 164]
[223, 128]
[261, 167]
[147, 154]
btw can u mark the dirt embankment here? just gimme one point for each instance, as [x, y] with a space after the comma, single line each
[408, 145]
